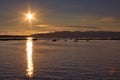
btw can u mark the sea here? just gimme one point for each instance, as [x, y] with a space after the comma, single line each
[60, 60]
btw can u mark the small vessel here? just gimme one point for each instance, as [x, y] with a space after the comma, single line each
[35, 39]
[65, 40]
[54, 40]
[75, 40]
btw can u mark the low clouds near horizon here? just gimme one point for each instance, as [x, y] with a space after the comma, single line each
[109, 19]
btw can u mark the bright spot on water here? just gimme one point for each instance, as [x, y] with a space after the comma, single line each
[30, 68]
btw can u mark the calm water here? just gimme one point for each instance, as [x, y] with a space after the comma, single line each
[47, 60]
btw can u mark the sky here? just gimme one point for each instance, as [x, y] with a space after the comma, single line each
[59, 15]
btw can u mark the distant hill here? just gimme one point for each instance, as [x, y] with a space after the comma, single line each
[80, 35]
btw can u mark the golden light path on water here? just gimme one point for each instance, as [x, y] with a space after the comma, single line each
[29, 46]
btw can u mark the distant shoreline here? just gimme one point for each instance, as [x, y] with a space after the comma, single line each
[53, 39]
[75, 35]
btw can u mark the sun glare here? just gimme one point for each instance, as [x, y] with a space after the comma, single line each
[29, 16]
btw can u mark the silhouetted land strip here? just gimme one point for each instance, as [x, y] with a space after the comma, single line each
[88, 35]
[13, 37]
[92, 35]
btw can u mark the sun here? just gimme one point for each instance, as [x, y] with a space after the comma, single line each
[29, 16]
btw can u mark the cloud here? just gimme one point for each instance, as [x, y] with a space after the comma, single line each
[42, 26]
[62, 26]
[108, 19]
[85, 27]
[47, 27]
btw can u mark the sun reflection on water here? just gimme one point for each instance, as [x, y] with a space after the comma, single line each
[29, 46]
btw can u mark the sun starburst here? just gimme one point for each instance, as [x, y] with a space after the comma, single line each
[29, 16]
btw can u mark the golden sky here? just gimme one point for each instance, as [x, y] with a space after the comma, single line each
[58, 15]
